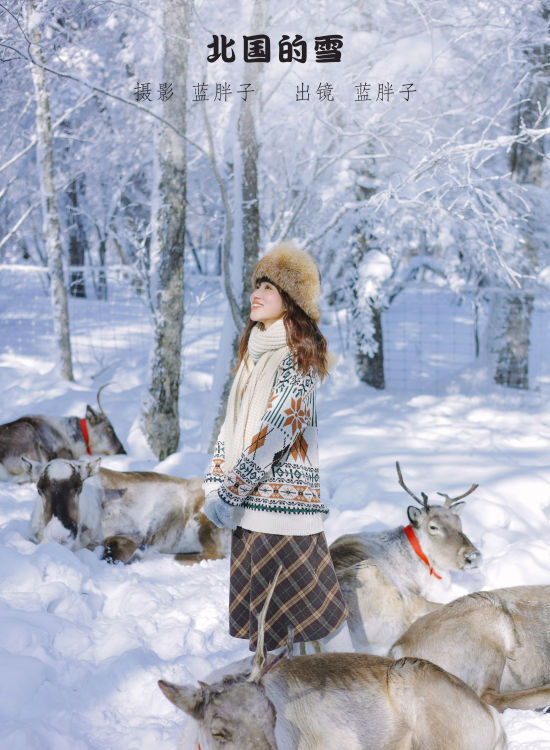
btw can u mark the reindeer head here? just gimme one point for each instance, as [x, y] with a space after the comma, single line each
[440, 529]
[59, 486]
[103, 438]
[235, 713]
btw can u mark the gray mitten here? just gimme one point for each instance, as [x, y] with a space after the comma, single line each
[220, 513]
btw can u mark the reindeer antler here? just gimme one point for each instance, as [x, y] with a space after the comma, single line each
[285, 651]
[450, 501]
[260, 655]
[423, 501]
[99, 393]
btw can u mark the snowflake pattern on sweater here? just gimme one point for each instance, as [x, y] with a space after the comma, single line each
[279, 471]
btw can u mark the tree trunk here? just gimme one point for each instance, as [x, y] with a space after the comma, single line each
[370, 367]
[512, 324]
[369, 355]
[50, 218]
[160, 413]
[77, 238]
[247, 206]
[510, 345]
[101, 288]
[249, 198]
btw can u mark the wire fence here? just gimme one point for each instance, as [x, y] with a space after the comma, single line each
[431, 336]
[110, 320]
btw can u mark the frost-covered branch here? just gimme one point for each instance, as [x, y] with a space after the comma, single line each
[109, 94]
[56, 124]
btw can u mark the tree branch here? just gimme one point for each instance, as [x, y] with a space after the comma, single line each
[55, 125]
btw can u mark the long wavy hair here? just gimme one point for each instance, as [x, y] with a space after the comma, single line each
[305, 341]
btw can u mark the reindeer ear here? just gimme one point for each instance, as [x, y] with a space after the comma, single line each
[457, 507]
[93, 417]
[415, 515]
[88, 468]
[190, 699]
[33, 469]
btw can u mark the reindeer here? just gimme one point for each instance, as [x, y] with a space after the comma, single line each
[384, 576]
[331, 701]
[42, 438]
[81, 505]
[497, 642]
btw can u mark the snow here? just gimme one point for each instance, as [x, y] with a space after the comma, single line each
[83, 642]
[56, 532]
[372, 273]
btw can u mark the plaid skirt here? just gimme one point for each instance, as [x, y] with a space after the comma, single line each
[307, 595]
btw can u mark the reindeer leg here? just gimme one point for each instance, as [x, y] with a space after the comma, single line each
[189, 558]
[210, 539]
[528, 699]
[119, 548]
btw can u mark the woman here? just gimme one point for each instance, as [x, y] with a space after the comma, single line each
[263, 480]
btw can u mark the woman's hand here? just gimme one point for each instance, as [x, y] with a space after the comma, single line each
[221, 514]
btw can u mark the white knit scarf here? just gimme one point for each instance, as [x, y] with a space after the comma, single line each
[252, 387]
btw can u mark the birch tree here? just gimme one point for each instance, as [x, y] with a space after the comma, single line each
[511, 311]
[76, 233]
[246, 226]
[366, 315]
[446, 207]
[160, 412]
[50, 218]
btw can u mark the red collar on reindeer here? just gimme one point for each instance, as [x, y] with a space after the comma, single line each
[84, 428]
[415, 544]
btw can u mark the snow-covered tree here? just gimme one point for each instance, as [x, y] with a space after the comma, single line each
[242, 234]
[441, 202]
[400, 166]
[50, 218]
[160, 414]
[511, 310]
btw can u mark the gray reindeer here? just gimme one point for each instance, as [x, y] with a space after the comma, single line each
[331, 701]
[40, 437]
[384, 576]
[497, 641]
[81, 505]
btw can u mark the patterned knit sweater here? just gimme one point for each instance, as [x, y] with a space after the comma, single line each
[275, 482]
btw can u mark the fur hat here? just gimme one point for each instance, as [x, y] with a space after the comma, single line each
[295, 272]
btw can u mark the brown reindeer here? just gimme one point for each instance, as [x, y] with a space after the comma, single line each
[384, 576]
[41, 438]
[498, 642]
[331, 701]
[81, 505]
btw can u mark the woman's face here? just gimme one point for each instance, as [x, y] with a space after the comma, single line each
[266, 304]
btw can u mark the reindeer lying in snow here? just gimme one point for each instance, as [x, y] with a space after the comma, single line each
[498, 642]
[81, 505]
[334, 701]
[41, 438]
[384, 576]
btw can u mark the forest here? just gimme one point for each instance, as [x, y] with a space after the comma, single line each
[150, 154]
[138, 136]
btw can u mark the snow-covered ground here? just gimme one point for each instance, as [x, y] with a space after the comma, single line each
[83, 643]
